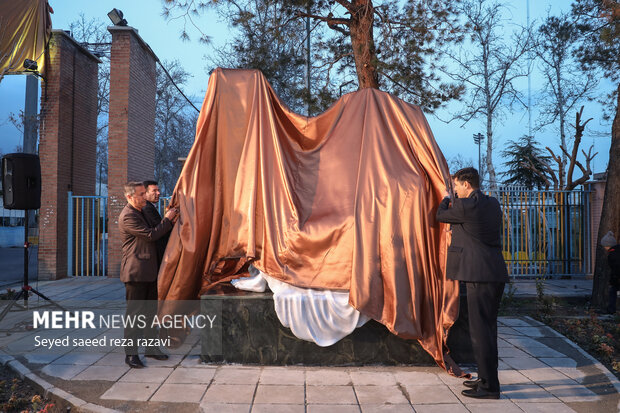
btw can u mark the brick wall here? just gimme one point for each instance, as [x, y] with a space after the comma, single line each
[131, 136]
[67, 147]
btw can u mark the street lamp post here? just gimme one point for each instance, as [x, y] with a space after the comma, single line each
[478, 138]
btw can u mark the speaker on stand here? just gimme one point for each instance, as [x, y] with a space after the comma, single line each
[21, 183]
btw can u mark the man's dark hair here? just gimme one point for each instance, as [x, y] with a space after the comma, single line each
[468, 175]
[147, 183]
[130, 187]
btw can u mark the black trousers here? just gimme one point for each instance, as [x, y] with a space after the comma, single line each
[483, 300]
[141, 305]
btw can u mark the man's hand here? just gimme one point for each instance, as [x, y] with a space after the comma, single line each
[172, 214]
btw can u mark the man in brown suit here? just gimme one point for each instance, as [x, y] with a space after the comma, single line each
[139, 268]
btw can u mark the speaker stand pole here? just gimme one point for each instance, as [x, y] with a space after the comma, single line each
[26, 288]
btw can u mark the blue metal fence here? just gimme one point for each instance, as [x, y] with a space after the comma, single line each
[87, 235]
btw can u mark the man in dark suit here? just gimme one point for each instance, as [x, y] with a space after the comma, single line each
[139, 268]
[152, 215]
[475, 257]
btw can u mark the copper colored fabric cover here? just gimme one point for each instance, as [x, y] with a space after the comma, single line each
[345, 200]
[25, 27]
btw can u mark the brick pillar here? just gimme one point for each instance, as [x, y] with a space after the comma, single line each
[67, 145]
[131, 131]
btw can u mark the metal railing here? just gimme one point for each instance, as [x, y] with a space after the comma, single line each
[87, 235]
[545, 233]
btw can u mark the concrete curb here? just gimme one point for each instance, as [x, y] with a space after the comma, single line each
[49, 390]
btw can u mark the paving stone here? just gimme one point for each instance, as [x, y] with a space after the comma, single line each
[572, 394]
[543, 352]
[36, 358]
[530, 393]
[544, 407]
[112, 359]
[493, 406]
[417, 378]
[224, 408]
[559, 361]
[511, 351]
[507, 332]
[546, 375]
[392, 408]
[513, 322]
[173, 361]
[330, 395]
[195, 361]
[328, 377]
[524, 342]
[179, 393]
[278, 408]
[431, 394]
[277, 394]
[147, 375]
[106, 373]
[79, 358]
[371, 378]
[503, 343]
[282, 375]
[574, 373]
[192, 375]
[440, 408]
[512, 377]
[236, 375]
[380, 395]
[451, 380]
[130, 391]
[523, 363]
[63, 371]
[331, 408]
[230, 393]
[536, 331]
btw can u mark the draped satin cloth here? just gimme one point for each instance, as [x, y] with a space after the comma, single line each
[344, 201]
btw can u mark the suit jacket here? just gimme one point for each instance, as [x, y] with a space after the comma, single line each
[139, 250]
[475, 254]
[151, 214]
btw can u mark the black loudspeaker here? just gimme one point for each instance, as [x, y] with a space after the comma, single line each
[21, 181]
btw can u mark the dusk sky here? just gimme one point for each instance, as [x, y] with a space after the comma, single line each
[163, 37]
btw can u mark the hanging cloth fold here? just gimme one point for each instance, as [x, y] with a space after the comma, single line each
[342, 201]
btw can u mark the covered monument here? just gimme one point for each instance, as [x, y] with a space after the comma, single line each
[343, 201]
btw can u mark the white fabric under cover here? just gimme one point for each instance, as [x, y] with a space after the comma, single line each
[321, 316]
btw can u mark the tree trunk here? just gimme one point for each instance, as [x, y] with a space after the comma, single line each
[489, 158]
[610, 217]
[562, 115]
[362, 41]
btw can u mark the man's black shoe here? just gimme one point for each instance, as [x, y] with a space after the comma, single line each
[480, 393]
[472, 384]
[157, 354]
[134, 362]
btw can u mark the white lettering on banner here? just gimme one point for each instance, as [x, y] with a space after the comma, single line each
[182, 321]
[63, 319]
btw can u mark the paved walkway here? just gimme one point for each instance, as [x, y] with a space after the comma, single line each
[540, 371]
